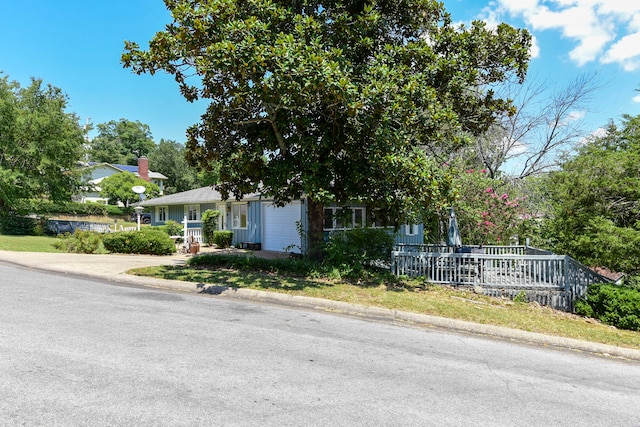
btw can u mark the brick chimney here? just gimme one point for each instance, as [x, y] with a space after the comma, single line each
[143, 168]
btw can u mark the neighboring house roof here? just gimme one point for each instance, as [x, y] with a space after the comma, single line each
[197, 196]
[128, 168]
[611, 275]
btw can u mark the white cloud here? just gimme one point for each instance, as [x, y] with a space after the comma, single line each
[576, 115]
[596, 134]
[534, 51]
[607, 31]
[636, 99]
[626, 52]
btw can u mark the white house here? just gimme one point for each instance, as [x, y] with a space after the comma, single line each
[94, 173]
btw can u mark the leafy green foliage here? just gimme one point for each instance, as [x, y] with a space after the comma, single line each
[21, 225]
[172, 228]
[311, 97]
[486, 209]
[614, 305]
[222, 238]
[146, 241]
[40, 206]
[81, 242]
[295, 267]
[210, 220]
[118, 188]
[40, 145]
[595, 201]
[358, 248]
[121, 142]
[168, 158]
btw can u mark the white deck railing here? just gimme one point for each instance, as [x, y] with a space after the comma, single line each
[508, 268]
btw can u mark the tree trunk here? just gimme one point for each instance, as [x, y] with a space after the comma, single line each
[315, 235]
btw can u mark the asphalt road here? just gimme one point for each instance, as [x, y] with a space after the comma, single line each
[85, 352]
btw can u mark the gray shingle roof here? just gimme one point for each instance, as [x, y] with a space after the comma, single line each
[197, 196]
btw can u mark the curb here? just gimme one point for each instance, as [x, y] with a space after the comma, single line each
[360, 311]
[397, 317]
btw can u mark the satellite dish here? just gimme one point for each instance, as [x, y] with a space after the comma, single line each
[138, 189]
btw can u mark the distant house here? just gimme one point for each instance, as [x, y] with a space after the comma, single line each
[94, 173]
[255, 220]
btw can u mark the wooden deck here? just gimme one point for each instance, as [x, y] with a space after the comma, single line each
[556, 280]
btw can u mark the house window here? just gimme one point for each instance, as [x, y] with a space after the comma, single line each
[375, 219]
[161, 213]
[411, 229]
[328, 218]
[192, 212]
[239, 214]
[343, 218]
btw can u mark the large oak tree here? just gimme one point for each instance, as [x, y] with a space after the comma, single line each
[340, 101]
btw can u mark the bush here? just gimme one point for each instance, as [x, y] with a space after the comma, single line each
[294, 267]
[12, 224]
[223, 239]
[146, 241]
[209, 225]
[358, 248]
[81, 242]
[172, 228]
[614, 305]
[72, 208]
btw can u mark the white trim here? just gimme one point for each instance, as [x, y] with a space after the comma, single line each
[222, 219]
[188, 213]
[358, 218]
[236, 218]
[165, 216]
[411, 229]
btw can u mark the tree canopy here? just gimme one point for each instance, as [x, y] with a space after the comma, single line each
[121, 142]
[118, 188]
[168, 158]
[40, 144]
[595, 200]
[340, 101]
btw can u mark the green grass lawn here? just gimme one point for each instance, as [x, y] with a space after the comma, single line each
[27, 243]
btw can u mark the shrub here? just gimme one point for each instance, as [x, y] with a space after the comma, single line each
[172, 228]
[12, 224]
[614, 305]
[71, 208]
[223, 239]
[146, 241]
[209, 225]
[81, 241]
[358, 248]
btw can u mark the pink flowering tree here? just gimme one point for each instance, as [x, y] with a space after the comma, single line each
[487, 212]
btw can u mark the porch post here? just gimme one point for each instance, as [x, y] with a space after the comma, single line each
[184, 232]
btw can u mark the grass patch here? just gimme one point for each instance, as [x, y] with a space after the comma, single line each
[300, 277]
[28, 243]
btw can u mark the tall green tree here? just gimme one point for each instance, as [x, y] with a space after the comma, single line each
[340, 101]
[40, 144]
[595, 200]
[121, 142]
[168, 158]
[119, 188]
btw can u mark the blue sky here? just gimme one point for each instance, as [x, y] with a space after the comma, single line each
[76, 46]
